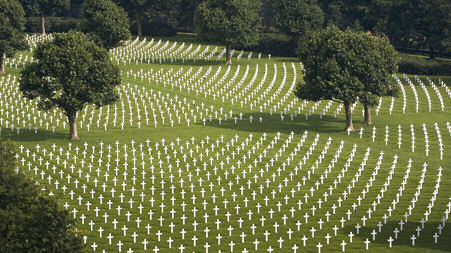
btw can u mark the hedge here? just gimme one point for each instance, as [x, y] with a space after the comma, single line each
[422, 66]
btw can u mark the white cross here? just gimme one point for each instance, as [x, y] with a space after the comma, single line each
[413, 238]
[145, 242]
[367, 243]
[390, 241]
[343, 245]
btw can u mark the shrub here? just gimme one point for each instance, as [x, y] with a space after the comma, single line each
[274, 44]
[422, 66]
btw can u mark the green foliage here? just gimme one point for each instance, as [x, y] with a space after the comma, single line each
[379, 63]
[57, 24]
[31, 221]
[70, 72]
[298, 18]
[185, 18]
[12, 24]
[420, 24]
[143, 12]
[154, 29]
[417, 65]
[229, 22]
[346, 65]
[105, 22]
[44, 8]
[360, 15]
[329, 59]
[275, 44]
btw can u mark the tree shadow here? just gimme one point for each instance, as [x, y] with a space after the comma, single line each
[274, 124]
[202, 62]
[26, 135]
[425, 240]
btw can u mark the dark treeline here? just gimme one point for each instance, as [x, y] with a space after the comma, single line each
[420, 26]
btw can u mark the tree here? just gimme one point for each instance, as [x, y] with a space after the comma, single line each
[105, 22]
[231, 22]
[137, 10]
[31, 221]
[298, 18]
[424, 23]
[12, 24]
[345, 65]
[44, 8]
[381, 62]
[185, 18]
[157, 12]
[70, 72]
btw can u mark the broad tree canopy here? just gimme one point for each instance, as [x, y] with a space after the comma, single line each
[343, 65]
[380, 62]
[105, 22]
[70, 72]
[298, 18]
[12, 24]
[230, 22]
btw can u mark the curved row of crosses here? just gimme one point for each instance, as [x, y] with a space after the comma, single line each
[157, 104]
[242, 193]
[379, 187]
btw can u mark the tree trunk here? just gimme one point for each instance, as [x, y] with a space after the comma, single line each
[349, 126]
[367, 115]
[138, 23]
[73, 126]
[228, 55]
[2, 63]
[43, 25]
[431, 52]
[298, 43]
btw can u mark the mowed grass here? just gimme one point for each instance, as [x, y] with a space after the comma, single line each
[255, 166]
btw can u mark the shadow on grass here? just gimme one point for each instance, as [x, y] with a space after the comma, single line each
[274, 124]
[26, 135]
[425, 240]
[203, 62]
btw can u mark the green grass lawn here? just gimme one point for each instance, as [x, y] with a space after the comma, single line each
[198, 156]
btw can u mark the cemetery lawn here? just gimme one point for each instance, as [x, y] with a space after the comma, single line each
[264, 172]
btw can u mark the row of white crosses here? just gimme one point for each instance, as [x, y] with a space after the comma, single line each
[216, 88]
[141, 51]
[403, 91]
[424, 87]
[412, 86]
[140, 46]
[179, 77]
[444, 86]
[79, 198]
[362, 199]
[34, 39]
[238, 94]
[425, 91]
[26, 115]
[150, 169]
[440, 144]
[391, 209]
[427, 213]
[437, 92]
[136, 107]
[20, 59]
